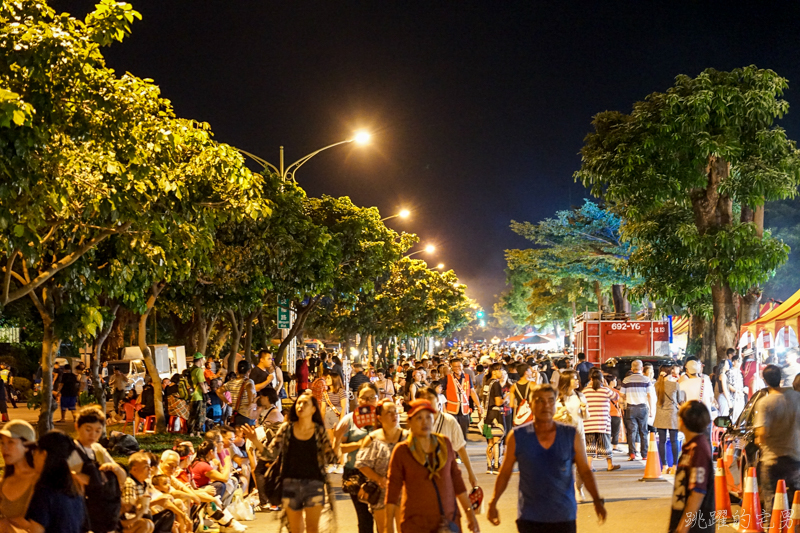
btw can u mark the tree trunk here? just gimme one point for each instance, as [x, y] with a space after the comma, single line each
[725, 319]
[116, 338]
[620, 301]
[299, 322]
[235, 320]
[97, 350]
[598, 293]
[50, 345]
[701, 340]
[220, 338]
[248, 335]
[751, 303]
[149, 362]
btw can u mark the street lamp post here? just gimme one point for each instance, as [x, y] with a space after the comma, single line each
[429, 249]
[402, 214]
[289, 172]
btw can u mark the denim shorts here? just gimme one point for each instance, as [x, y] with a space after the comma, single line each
[300, 494]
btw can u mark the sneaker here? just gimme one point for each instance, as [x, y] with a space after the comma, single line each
[632, 457]
[579, 495]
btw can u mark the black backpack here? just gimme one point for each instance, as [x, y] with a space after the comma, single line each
[103, 495]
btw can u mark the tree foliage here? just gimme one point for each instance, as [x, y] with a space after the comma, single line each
[704, 146]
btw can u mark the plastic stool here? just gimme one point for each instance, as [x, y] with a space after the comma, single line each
[182, 426]
[150, 424]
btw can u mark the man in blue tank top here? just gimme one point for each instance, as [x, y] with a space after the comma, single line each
[546, 452]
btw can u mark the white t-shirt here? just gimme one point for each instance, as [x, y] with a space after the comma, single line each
[95, 451]
[447, 425]
[692, 386]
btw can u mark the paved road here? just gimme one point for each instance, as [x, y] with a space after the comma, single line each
[633, 506]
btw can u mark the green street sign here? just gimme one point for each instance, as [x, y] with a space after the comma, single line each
[284, 313]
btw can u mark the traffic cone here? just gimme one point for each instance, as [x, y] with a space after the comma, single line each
[794, 516]
[652, 468]
[750, 521]
[731, 467]
[723, 503]
[780, 509]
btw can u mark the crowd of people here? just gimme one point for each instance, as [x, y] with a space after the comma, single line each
[546, 415]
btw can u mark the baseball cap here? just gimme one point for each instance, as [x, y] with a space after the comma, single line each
[693, 367]
[420, 405]
[198, 355]
[19, 429]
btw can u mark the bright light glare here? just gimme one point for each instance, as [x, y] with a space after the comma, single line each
[440, 266]
[362, 137]
[430, 248]
[404, 213]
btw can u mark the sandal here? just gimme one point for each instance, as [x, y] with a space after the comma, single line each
[614, 467]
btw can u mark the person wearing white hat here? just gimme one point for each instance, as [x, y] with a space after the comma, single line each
[19, 478]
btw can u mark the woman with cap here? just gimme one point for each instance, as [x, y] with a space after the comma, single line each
[373, 458]
[56, 505]
[425, 481]
[19, 477]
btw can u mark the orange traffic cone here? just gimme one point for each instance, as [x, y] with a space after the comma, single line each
[652, 468]
[780, 509]
[794, 515]
[731, 467]
[750, 521]
[723, 503]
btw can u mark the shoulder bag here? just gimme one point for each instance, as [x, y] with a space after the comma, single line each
[446, 525]
[232, 418]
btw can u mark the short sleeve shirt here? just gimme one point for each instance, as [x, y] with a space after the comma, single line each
[447, 425]
[779, 414]
[197, 380]
[695, 473]
[318, 389]
[199, 473]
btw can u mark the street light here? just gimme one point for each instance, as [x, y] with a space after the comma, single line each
[361, 137]
[440, 266]
[402, 214]
[429, 249]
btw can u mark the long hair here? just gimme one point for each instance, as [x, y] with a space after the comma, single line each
[596, 377]
[660, 387]
[56, 475]
[9, 469]
[336, 382]
[316, 417]
[565, 389]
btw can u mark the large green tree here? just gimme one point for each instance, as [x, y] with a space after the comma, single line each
[708, 144]
[582, 244]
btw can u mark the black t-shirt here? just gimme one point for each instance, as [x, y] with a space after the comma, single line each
[148, 401]
[56, 512]
[583, 370]
[493, 390]
[70, 384]
[695, 473]
[258, 375]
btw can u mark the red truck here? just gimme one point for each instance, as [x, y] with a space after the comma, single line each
[602, 337]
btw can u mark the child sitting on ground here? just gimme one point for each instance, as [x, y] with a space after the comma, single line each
[162, 499]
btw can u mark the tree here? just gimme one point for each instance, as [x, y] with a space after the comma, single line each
[358, 247]
[707, 144]
[582, 243]
[114, 162]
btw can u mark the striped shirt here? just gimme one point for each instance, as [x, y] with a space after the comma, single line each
[635, 388]
[598, 403]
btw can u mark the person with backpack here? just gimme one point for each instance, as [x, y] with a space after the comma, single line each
[177, 394]
[520, 402]
[99, 475]
[243, 396]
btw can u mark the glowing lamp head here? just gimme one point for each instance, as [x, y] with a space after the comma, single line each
[430, 248]
[404, 213]
[362, 137]
[440, 266]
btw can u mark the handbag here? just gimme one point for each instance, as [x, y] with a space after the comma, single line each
[445, 525]
[370, 493]
[564, 416]
[352, 481]
[273, 482]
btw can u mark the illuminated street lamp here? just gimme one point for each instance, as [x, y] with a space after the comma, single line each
[429, 249]
[361, 137]
[402, 214]
[440, 266]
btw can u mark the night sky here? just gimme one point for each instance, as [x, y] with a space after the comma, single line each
[478, 109]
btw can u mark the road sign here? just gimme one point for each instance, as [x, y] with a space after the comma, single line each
[284, 313]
